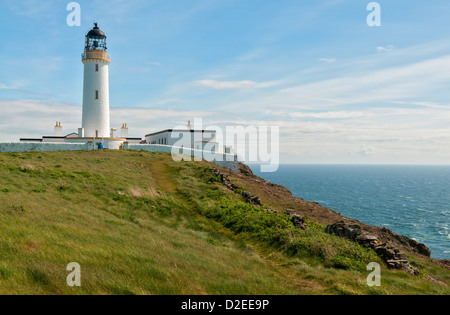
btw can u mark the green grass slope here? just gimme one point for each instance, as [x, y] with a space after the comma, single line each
[139, 223]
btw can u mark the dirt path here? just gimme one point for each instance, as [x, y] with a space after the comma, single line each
[162, 175]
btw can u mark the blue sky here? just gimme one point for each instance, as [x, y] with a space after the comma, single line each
[340, 91]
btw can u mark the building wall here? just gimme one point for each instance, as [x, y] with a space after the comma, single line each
[229, 161]
[207, 146]
[53, 140]
[179, 138]
[111, 144]
[96, 112]
[41, 147]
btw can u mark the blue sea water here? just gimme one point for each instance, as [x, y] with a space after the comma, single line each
[410, 200]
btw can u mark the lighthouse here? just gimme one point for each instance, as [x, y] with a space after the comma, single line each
[96, 131]
[96, 60]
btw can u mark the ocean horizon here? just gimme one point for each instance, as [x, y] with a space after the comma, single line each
[411, 200]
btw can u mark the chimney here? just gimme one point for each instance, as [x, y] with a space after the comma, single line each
[113, 133]
[58, 129]
[124, 131]
[80, 132]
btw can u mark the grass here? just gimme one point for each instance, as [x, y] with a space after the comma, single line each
[139, 223]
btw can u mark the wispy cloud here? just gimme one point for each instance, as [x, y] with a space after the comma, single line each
[384, 49]
[405, 82]
[328, 60]
[246, 84]
[6, 87]
[20, 91]
[26, 118]
[331, 115]
[139, 70]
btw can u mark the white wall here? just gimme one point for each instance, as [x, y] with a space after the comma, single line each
[186, 138]
[229, 161]
[96, 112]
[41, 147]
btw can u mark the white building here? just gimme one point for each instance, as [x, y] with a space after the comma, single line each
[188, 138]
[96, 120]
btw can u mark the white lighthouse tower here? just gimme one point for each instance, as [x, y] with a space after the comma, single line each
[96, 119]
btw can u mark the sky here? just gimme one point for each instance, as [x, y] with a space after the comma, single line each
[341, 92]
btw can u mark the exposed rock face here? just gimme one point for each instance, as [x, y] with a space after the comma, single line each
[250, 198]
[297, 220]
[245, 169]
[342, 229]
[408, 242]
[392, 256]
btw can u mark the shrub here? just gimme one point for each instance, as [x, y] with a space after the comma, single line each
[341, 262]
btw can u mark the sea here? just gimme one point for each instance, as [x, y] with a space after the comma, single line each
[410, 200]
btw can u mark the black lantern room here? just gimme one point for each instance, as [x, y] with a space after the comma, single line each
[96, 39]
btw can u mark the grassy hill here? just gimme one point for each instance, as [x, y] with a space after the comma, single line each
[139, 223]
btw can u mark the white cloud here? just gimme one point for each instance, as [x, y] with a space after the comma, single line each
[366, 150]
[383, 49]
[5, 87]
[396, 83]
[139, 70]
[25, 118]
[246, 84]
[328, 60]
[331, 115]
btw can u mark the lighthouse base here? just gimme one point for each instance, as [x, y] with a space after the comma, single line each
[99, 143]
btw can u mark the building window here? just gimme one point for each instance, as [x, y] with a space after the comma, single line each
[96, 94]
[96, 67]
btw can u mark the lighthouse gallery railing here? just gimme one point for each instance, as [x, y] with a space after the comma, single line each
[96, 55]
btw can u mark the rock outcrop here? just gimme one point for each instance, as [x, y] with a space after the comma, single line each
[250, 198]
[408, 242]
[391, 255]
[297, 220]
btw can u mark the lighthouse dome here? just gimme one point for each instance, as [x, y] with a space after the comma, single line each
[96, 32]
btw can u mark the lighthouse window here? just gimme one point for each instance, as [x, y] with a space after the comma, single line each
[96, 94]
[96, 67]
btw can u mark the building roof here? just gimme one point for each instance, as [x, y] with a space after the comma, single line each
[96, 32]
[30, 140]
[179, 130]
